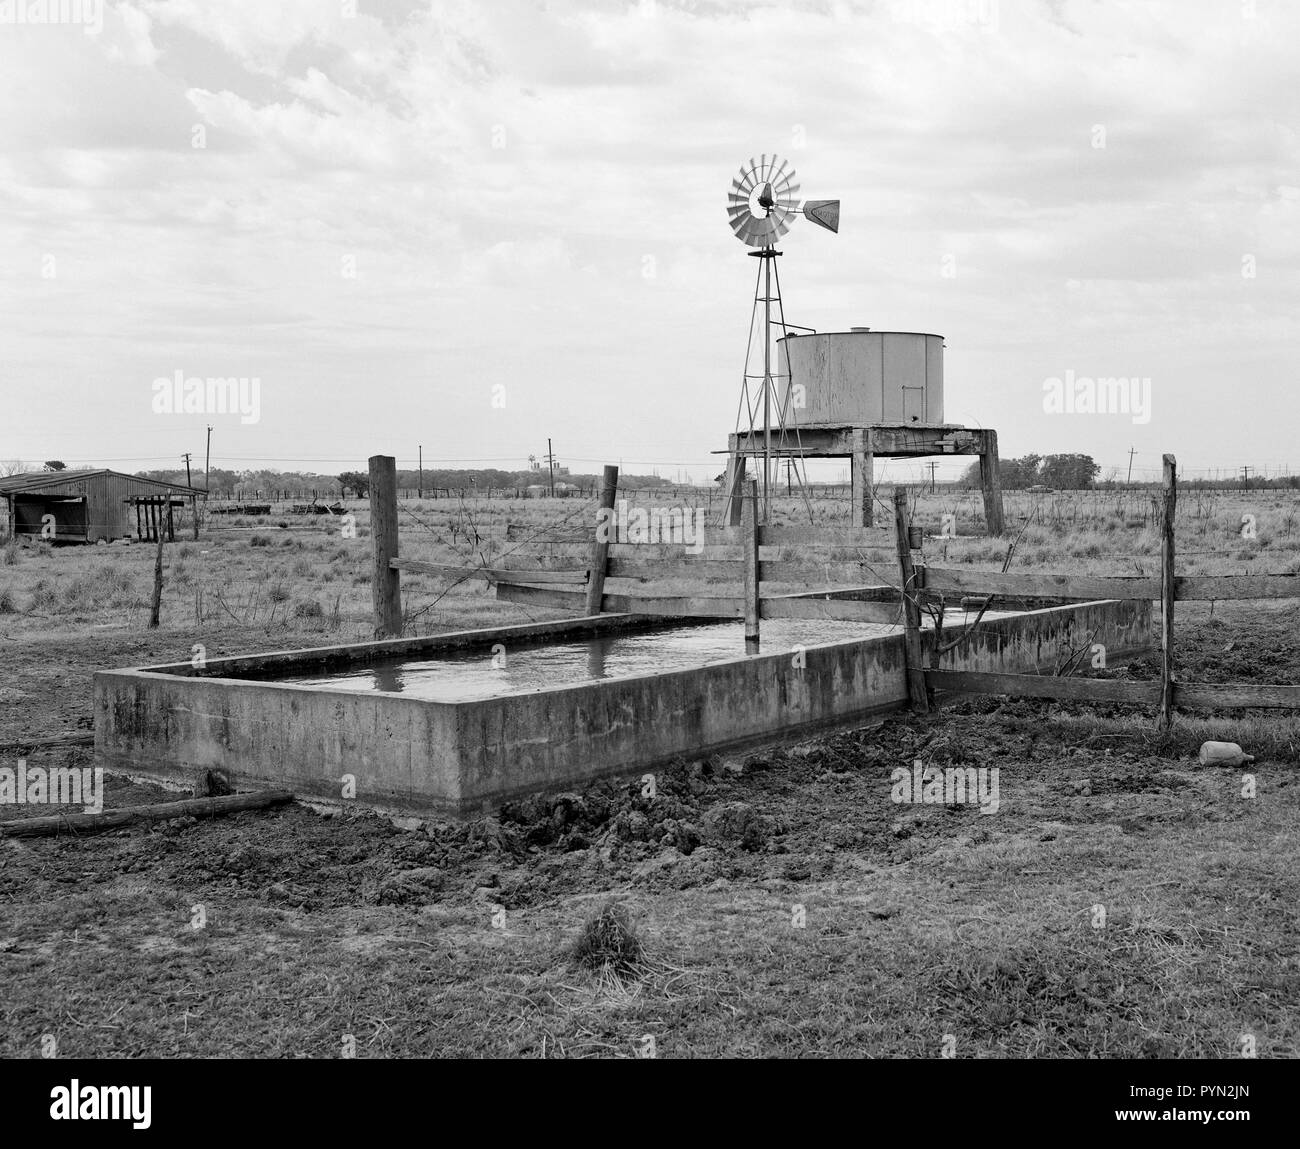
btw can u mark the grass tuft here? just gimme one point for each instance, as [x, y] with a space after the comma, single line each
[608, 942]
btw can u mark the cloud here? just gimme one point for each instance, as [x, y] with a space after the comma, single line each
[538, 191]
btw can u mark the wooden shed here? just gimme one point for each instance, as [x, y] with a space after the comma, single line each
[90, 506]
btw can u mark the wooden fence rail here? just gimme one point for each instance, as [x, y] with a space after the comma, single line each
[865, 579]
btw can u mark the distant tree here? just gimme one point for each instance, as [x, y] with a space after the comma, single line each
[1015, 474]
[1069, 472]
[355, 481]
[55, 465]
[13, 467]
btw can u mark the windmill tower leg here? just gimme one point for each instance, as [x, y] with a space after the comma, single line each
[863, 464]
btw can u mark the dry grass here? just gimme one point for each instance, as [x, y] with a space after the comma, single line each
[918, 926]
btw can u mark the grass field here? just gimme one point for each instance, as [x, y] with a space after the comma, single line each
[1123, 902]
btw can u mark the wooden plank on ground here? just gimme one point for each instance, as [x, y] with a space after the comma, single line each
[132, 815]
[1234, 695]
[1045, 686]
[80, 738]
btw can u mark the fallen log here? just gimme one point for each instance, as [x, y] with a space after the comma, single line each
[81, 738]
[131, 815]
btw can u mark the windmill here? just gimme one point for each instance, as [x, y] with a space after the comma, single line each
[761, 205]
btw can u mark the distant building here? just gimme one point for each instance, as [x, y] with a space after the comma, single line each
[89, 506]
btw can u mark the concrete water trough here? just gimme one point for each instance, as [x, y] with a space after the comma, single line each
[462, 722]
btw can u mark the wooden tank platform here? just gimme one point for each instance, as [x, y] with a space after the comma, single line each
[862, 442]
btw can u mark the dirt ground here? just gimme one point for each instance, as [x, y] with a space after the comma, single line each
[1122, 902]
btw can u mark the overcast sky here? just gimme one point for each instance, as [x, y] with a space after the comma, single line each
[388, 216]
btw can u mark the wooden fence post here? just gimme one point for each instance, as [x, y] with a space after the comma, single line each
[911, 608]
[749, 549]
[1166, 715]
[862, 466]
[155, 604]
[386, 588]
[604, 536]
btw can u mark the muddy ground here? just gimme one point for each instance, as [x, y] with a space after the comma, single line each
[1122, 902]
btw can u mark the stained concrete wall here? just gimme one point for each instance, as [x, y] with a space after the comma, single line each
[461, 757]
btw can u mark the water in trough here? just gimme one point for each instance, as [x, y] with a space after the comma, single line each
[463, 676]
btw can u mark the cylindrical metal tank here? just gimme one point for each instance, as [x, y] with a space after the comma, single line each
[863, 376]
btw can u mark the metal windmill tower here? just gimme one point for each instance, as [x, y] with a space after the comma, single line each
[761, 205]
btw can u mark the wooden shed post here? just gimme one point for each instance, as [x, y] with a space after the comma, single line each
[386, 589]
[1166, 716]
[604, 536]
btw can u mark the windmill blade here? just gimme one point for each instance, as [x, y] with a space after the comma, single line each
[779, 202]
[823, 212]
[789, 196]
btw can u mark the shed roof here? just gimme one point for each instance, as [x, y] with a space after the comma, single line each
[37, 480]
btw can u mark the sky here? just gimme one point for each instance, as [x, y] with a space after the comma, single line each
[471, 225]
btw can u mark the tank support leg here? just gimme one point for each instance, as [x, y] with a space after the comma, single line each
[991, 481]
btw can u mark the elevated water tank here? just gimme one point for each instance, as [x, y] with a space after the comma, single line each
[864, 376]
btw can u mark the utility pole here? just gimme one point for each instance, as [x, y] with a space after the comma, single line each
[550, 461]
[1129, 481]
[1245, 476]
[194, 499]
[421, 486]
[932, 464]
[207, 462]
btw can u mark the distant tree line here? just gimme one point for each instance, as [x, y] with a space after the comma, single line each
[356, 483]
[1079, 473]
